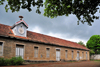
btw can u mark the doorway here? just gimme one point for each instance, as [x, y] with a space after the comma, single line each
[58, 54]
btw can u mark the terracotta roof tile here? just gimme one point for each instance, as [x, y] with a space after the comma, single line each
[6, 30]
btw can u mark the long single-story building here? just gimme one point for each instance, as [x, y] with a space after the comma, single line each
[17, 41]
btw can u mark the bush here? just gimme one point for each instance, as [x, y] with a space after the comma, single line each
[2, 61]
[7, 62]
[16, 60]
[12, 61]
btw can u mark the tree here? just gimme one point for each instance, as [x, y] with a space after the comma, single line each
[84, 10]
[91, 52]
[81, 43]
[94, 43]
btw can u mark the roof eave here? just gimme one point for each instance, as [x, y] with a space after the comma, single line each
[43, 42]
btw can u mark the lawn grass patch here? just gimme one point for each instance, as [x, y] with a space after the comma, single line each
[95, 60]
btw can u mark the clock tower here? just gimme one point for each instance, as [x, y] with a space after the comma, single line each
[20, 28]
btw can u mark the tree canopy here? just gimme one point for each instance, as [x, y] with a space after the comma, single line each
[84, 10]
[81, 43]
[94, 43]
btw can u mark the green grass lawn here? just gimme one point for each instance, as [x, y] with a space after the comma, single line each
[95, 60]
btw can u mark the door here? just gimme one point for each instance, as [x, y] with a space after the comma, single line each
[78, 58]
[58, 54]
[19, 51]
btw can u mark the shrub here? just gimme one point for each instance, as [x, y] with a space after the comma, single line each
[12, 61]
[16, 60]
[7, 62]
[2, 61]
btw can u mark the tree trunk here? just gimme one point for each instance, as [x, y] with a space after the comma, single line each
[95, 51]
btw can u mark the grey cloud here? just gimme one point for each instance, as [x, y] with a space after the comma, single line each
[63, 25]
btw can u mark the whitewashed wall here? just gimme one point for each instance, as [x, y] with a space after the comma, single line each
[95, 57]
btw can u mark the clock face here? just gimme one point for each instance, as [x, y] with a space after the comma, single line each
[21, 30]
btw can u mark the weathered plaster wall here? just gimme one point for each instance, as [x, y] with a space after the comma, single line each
[95, 57]
[10, 51]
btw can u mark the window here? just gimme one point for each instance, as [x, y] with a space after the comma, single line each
[78, 56]
[47, 52]
[82, 54]
[1, 48]
[35, 51]
[20, 51]
[86, 56]
[65, 53]
[72, 54]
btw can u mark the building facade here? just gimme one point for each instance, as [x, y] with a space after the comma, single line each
[17, 41]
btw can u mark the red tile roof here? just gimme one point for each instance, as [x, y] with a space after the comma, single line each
[6, 31]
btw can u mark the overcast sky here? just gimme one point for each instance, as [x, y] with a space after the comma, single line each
[61, 27]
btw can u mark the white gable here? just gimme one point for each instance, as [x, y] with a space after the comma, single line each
[20, 28]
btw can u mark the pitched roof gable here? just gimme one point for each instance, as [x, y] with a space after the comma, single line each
[21, 21]
[6, 30]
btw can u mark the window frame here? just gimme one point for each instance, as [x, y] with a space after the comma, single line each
[2, 47]
[66, 52]
[86, 55]
[36, 54]
[83, 55]
[19, 47]
[72, 54]
[47, 52]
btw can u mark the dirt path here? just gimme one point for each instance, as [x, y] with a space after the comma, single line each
[63, 64]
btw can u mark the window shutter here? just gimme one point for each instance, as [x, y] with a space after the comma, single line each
[83, 54]
[66, 53]
[47, 52]
[1, 49]
[72, 54]
[35, 51]
[20, 50]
